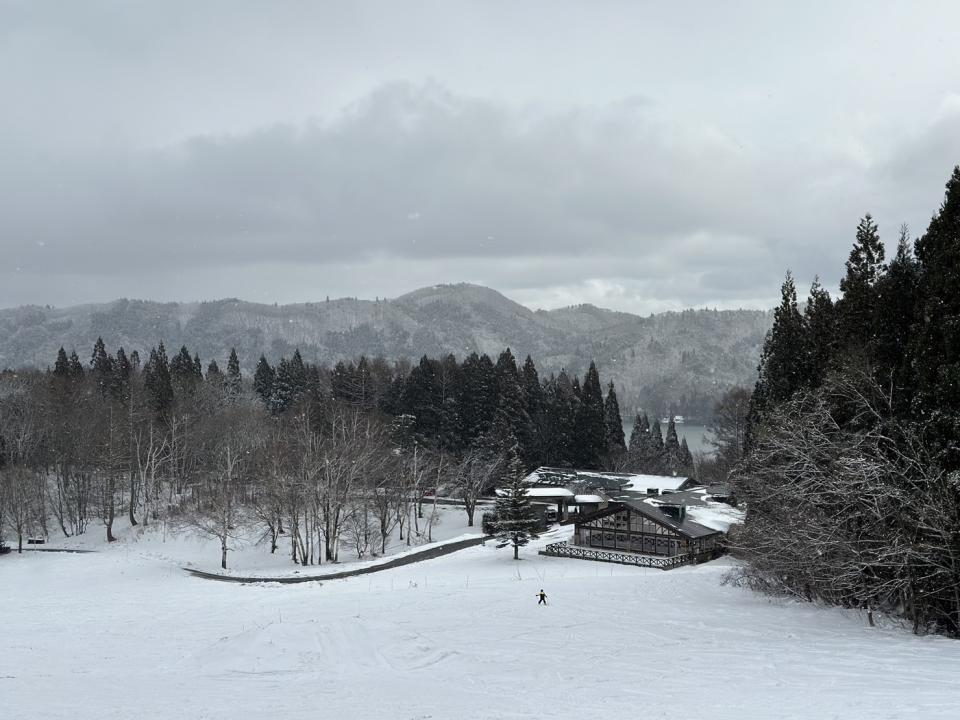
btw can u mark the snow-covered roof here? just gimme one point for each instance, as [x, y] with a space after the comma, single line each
[587, 499]
[586, 480]
[545, 492]
[643, 483]
[549, 492]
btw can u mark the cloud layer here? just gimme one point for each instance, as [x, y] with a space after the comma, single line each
[623, 199]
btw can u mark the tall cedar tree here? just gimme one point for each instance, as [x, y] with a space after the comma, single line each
[560, 421]
[533, 402]
[856, 306]
[655, 460]
[263, 379]
[156, 380]
[936, 346]
[511, 422]
[671, 450]
[820, 321]
[514, 522]
[639, 432]
[591, 433]
[61, 368]
[784, 366]
[234, 379]
[895, 318]
[613, 423]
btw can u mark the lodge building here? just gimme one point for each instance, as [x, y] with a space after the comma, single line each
[622, 517]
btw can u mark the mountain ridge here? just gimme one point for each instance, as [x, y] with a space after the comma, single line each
[655, 361]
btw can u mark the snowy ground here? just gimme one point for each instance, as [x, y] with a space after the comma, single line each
[125, 633]
[250, 555]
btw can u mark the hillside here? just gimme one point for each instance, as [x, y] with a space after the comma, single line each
[654, 360]
[125, 631]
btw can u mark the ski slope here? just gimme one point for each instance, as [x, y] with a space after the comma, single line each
[126, 633]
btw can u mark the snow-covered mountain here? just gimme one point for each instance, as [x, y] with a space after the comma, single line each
[669, 354]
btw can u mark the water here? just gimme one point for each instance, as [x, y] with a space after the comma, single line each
[693, 433]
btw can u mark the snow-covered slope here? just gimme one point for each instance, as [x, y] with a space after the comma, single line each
[118, 634]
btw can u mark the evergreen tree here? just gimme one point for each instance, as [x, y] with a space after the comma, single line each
[477, 397]
[183, 372]
[213, 371]
[157, 381]
[514, 523]
[591, 432]
[61, 368]
[686, 458]
[122, 376]
[784, 365]
[864, 268]
[655, 460]
[101, 365]
[234, 379]
[895, 317]
[511, 423]
[613, 423]
[820, 323]
[639, 433]
[561, 415]
[534, 404]
[263, 379]
[671, 449]
[936, 345]
[75, 368]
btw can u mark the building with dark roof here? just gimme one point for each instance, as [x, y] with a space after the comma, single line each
[630, 524]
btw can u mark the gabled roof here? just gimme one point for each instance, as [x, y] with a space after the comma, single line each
[635, 502]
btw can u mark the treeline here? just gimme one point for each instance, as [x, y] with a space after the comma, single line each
[319, 456]
[852, 469]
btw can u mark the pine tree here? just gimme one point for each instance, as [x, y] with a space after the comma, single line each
[263, 379]
[213, 371]
[936, 344]
[514, 523]
[613, 423]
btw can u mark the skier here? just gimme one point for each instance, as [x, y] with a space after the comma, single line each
[543, 597]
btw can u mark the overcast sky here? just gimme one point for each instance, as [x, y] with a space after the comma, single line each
[639, 156]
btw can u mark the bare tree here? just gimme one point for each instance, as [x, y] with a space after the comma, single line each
[477, 471]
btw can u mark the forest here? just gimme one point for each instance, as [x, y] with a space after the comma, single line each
[316, 458]
[851, 475]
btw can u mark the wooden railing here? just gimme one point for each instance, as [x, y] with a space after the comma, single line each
[563, 549]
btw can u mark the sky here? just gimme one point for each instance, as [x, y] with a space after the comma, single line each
[640, 156]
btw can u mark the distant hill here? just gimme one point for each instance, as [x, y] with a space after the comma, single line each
[655, 361]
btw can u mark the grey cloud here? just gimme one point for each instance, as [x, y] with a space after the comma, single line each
[185, 151]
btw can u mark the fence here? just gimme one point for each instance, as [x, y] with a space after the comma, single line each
[563, 549]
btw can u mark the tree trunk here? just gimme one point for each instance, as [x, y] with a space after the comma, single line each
[223, 553]
[516, 551]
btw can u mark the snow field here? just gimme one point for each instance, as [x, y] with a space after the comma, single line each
[124, 633]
